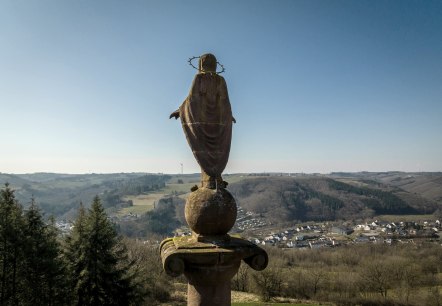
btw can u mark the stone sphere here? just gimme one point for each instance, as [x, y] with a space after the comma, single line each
[210, 212]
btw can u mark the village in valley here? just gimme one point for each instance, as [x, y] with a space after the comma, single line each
[318, 235]
[332, 234]
[314, 235]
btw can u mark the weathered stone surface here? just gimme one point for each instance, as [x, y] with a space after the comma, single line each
[209, 295]
[210, 212]
[193, 252]
[209, 266]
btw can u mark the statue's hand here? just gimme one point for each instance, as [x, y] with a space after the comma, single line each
[233, 119]
[175, 114]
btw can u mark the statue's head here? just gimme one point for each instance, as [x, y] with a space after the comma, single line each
[207, 63]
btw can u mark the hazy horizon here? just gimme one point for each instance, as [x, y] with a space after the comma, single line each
[224, 173]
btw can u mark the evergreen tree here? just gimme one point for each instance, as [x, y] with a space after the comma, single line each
[32, 271]
[76, 255]
[98, 261]
[45, 273]
[11, 245]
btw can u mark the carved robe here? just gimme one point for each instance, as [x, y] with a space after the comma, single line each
[206, 117]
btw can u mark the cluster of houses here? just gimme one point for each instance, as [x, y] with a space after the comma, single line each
[66, 226]
[327, 235]
[401, 229]
[248, 220]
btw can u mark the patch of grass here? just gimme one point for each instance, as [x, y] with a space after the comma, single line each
[178, 188]
[142, 203]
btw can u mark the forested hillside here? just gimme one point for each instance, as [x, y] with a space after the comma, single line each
[60, 194]
[324, 198]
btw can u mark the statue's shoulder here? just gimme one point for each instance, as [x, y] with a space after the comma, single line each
[221, 78]
[208, 75]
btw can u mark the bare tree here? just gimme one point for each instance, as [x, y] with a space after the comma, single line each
[268, 283]
[376, 276]
[240, 281]
[317, 276]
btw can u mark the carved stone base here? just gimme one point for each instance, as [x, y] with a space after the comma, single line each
[209, 263]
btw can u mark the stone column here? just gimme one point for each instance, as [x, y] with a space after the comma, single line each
[210, 285]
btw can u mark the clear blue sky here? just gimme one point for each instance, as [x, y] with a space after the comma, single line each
[315, 86]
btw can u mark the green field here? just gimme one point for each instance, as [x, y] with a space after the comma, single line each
[145, 202]
[178, 188]
[142, 203]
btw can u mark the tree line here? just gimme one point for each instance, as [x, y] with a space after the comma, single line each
[92, 265]
[382, 202]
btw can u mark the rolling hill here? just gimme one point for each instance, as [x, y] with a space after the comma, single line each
[276, 197]
[310, 197]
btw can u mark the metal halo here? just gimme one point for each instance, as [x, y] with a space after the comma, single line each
[218, 63]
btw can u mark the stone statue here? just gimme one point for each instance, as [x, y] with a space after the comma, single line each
[210, 257]
[206, 117]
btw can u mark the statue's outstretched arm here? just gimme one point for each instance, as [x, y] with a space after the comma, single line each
[175, 114]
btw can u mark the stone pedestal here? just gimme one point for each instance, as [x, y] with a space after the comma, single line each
[209, 263]
[210, 258]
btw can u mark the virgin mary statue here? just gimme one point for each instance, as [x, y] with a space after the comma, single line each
[206, 117]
